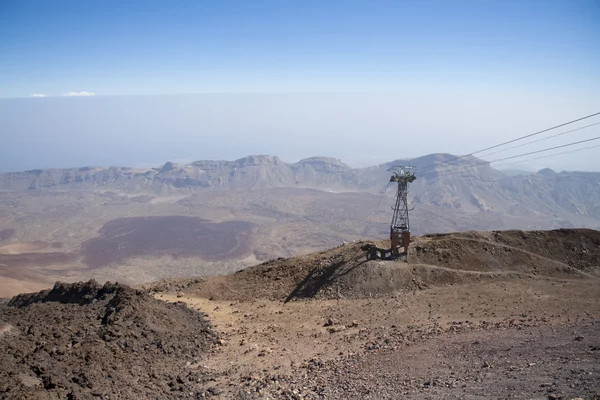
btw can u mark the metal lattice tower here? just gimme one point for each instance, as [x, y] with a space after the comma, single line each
[400, 226]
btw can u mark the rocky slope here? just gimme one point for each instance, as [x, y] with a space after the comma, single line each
[434, 260]
[84, 340]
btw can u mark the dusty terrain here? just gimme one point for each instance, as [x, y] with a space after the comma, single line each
[473, 315]
[217, 217]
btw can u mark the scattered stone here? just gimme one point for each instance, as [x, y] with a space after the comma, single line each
[334, 329]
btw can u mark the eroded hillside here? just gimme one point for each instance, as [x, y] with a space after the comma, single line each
[434, 260]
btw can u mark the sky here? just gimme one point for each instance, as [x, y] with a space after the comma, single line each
[142, 83]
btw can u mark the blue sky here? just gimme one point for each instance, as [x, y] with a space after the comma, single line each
[422, 76]
[162, 47]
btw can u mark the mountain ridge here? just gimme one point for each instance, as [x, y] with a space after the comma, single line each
[250, 172]
[447, 182]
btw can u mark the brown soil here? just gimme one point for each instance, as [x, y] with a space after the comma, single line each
[569, 250]
[30, 266]
[84, 340]
[24, 266]
[10, 286]
[173, 235]
[475, 315]
[329, 348]
[19, 278]
[561, 362]
[436, 260]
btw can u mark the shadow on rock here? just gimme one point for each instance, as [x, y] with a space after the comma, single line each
[323, 276]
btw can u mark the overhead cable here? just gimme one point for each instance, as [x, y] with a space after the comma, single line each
[518, 155]
[541, 139]
[510, 141]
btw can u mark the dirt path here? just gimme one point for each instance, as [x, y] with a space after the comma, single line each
[264, 339]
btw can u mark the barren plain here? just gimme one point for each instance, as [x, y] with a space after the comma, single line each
[79, 235]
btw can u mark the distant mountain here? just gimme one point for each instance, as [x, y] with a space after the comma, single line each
[516, 172]
[487, 190]
[252, 172]
[444, 181]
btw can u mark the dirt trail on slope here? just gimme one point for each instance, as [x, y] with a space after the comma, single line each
[435, 260]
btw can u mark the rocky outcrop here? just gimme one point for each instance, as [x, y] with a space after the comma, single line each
[67, 342]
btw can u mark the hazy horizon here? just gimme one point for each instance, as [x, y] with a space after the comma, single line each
[361, 129]
[132, 83]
